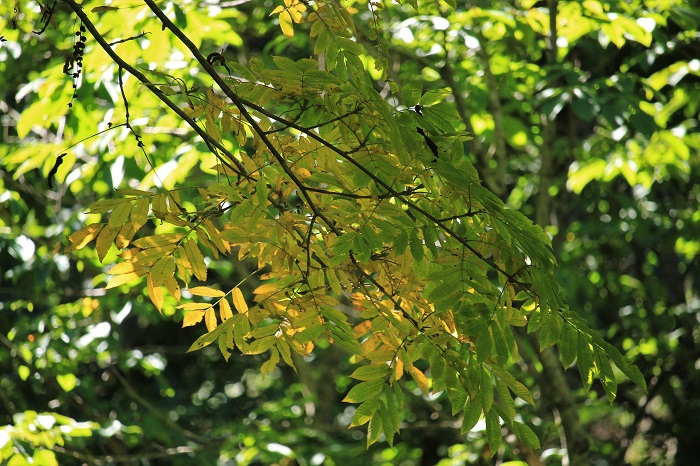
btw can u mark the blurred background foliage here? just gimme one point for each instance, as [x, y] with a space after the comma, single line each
[595, 135]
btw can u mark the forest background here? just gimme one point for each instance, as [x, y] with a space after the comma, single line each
[583, 116]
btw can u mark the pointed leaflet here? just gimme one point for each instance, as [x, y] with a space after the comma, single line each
[161, 240]
[105, 240]
[196, 259]
[584, 356]
[364, 391]
[286, 353]
[226, 343]
[209, 338]
[606, 375]
[192, 318]
[455, 391]
[210, 319]
[486, 390]
[411, 91]
[163, 269]
[627, 368]
[505, 400]
[225, 310]
[261, 345]
[173, 288]
[156, 294]
[472, 413]
[125, 235]
[241, 328]
[387, 428]
[420, 379]
[118, 280]
[269, 365]
[493, 431]
[526, 435]
[567, 345]
[120, 214]
[516, 387]
[123, 267]
[139, 213]
[374, 429]
[392, 407]
[364, 412]
[82, 237]
[371, 372]
[206, 291]
[238, 300]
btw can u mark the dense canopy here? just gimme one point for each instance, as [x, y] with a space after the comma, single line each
[230, 230]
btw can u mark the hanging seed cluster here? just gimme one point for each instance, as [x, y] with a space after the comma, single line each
[74, 63]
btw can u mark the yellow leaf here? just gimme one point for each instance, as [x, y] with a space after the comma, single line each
[173, 288]
[216, 238]
[105, 240]
[163, 269]
[120, 214]
[398, 369]
[192, 318]
[82, 237]
[361, 329]
[151, 255]
[238, 301]
[420, 379]
[160, 206]
[125, 235]
[196, 259]
[204, 239]
[277, 10]
[266, 288]
[225, 310]
[194, 306]
[285, 352]
[118, 280]
[156, 295]
[206, 291]
[139, 214]
[269, 365]
[286, 24]
[123, 267]
[158, 240]
[296, 12]
[210, 319]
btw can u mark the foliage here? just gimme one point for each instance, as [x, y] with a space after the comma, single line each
[360, 206]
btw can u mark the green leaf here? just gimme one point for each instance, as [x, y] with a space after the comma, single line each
[371, 372]
[526, 435]
[411, 90]
[364, 412]
[472, 414]
[484, 345]
[374, 429]
[607, 377]
[567, 345]
[493, 431]
[627, 368]
[392, 406]
[416, 246]
[486, 390]
[364, 391]
[455, 392]
[516, 387]
[505, 401]
[434, 96]
[584, 356]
